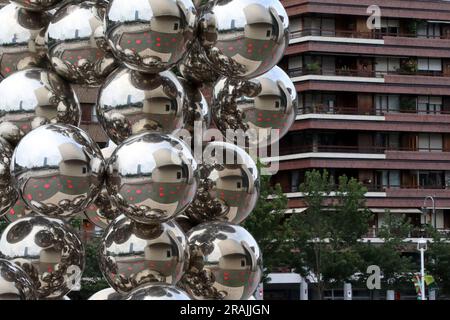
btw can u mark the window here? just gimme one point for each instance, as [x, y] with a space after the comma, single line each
[430, 179]
[387, 103]
[430, 142]
[429, 64]
[84, 170]
[238, 185]
[167, 107]
[179, 175]
[389, 27]
[277, 104]
[175, 26]
[428, 30]
[168, 253]
[429, 104]
[268, 33]
[385, 65]
[242, 263]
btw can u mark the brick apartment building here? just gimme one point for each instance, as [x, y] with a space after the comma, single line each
[374, 104]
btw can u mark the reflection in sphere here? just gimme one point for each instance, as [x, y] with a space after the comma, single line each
[244, 38]
[22, 41]
[228, 185]
[131, 102]
[196, 111]
[133, 254]
[34, 97]
[259, 106]
[102, 210]
[37, 5]
[60, 177]
[77, 46]
[150, 35]
[152, 177]
[106, 294]
[15, 284]
[8, 196]
[48, 250]
[157, 292]
[185, 223]
[195, 68]
[18, 210]
[225, 262]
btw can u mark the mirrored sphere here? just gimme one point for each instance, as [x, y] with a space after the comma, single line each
[48, 250]
[265, 107]
[132, 254]
[34, 97]
[21, 39]
[228, 185]
[18, 210]
[131, 102]
[195, 68]
[185, 223]
[106, 294]
[152, 177]
[244, 38]
[61, 176]
[150, 35]
[37, 5]
[102, 210]
[157, 292]
[196, 110]
[77, 45]
[225, 262]
[8, 196]
[15, 284]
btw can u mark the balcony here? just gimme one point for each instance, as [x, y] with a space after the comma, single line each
[341, 110]
[348, 72]
[373, 34]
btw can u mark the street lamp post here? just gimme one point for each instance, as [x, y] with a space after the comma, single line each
[424, 208]
[422, 247]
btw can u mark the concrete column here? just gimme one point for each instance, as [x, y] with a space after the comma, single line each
[348, 294]
[390, 295]
[303, 290]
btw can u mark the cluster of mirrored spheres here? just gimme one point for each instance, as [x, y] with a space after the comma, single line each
[162, 68]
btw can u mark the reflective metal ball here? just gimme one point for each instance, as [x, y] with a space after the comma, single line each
[102, 210]
[15, 284]
[152, 177]
[133, 254]
[34, 97]
[8, 196]
[225, 262]
[150, 35]
[262, 106]
[195, 68]
[228, 185]
[77, 45]
[157, 292]
[21, 39]
[196, 110]
[18, 210]
[48, 250]
[130, 102]
[106, 294]
[37, 5]
[185, 222]
[58, 170]
[244, 38]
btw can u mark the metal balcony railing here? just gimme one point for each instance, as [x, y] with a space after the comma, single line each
[327, 109]
[353, 149]
[375, 34]
[349, 72]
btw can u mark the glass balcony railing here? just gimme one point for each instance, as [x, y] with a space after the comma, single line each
[349, 72]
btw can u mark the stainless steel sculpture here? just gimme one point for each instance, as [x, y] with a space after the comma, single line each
[48, 250]
[22, 39]
[150, 35]
[106, 294]
[38, 5]
[102, 210]
[61, 176]
[133, 254]
[152, 177]
[244, 38]
[157, 292]
[77, 46]
[225, 262]
[131, 102]
[34, 97]
[15, 284]
[8, 196]
[229, 185]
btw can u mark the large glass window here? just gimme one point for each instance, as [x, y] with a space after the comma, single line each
[429, 104]
[387, 103]
[429, 64]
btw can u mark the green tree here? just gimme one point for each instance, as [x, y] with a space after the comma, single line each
[267, 224]
[324, 237]
[395, 267]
